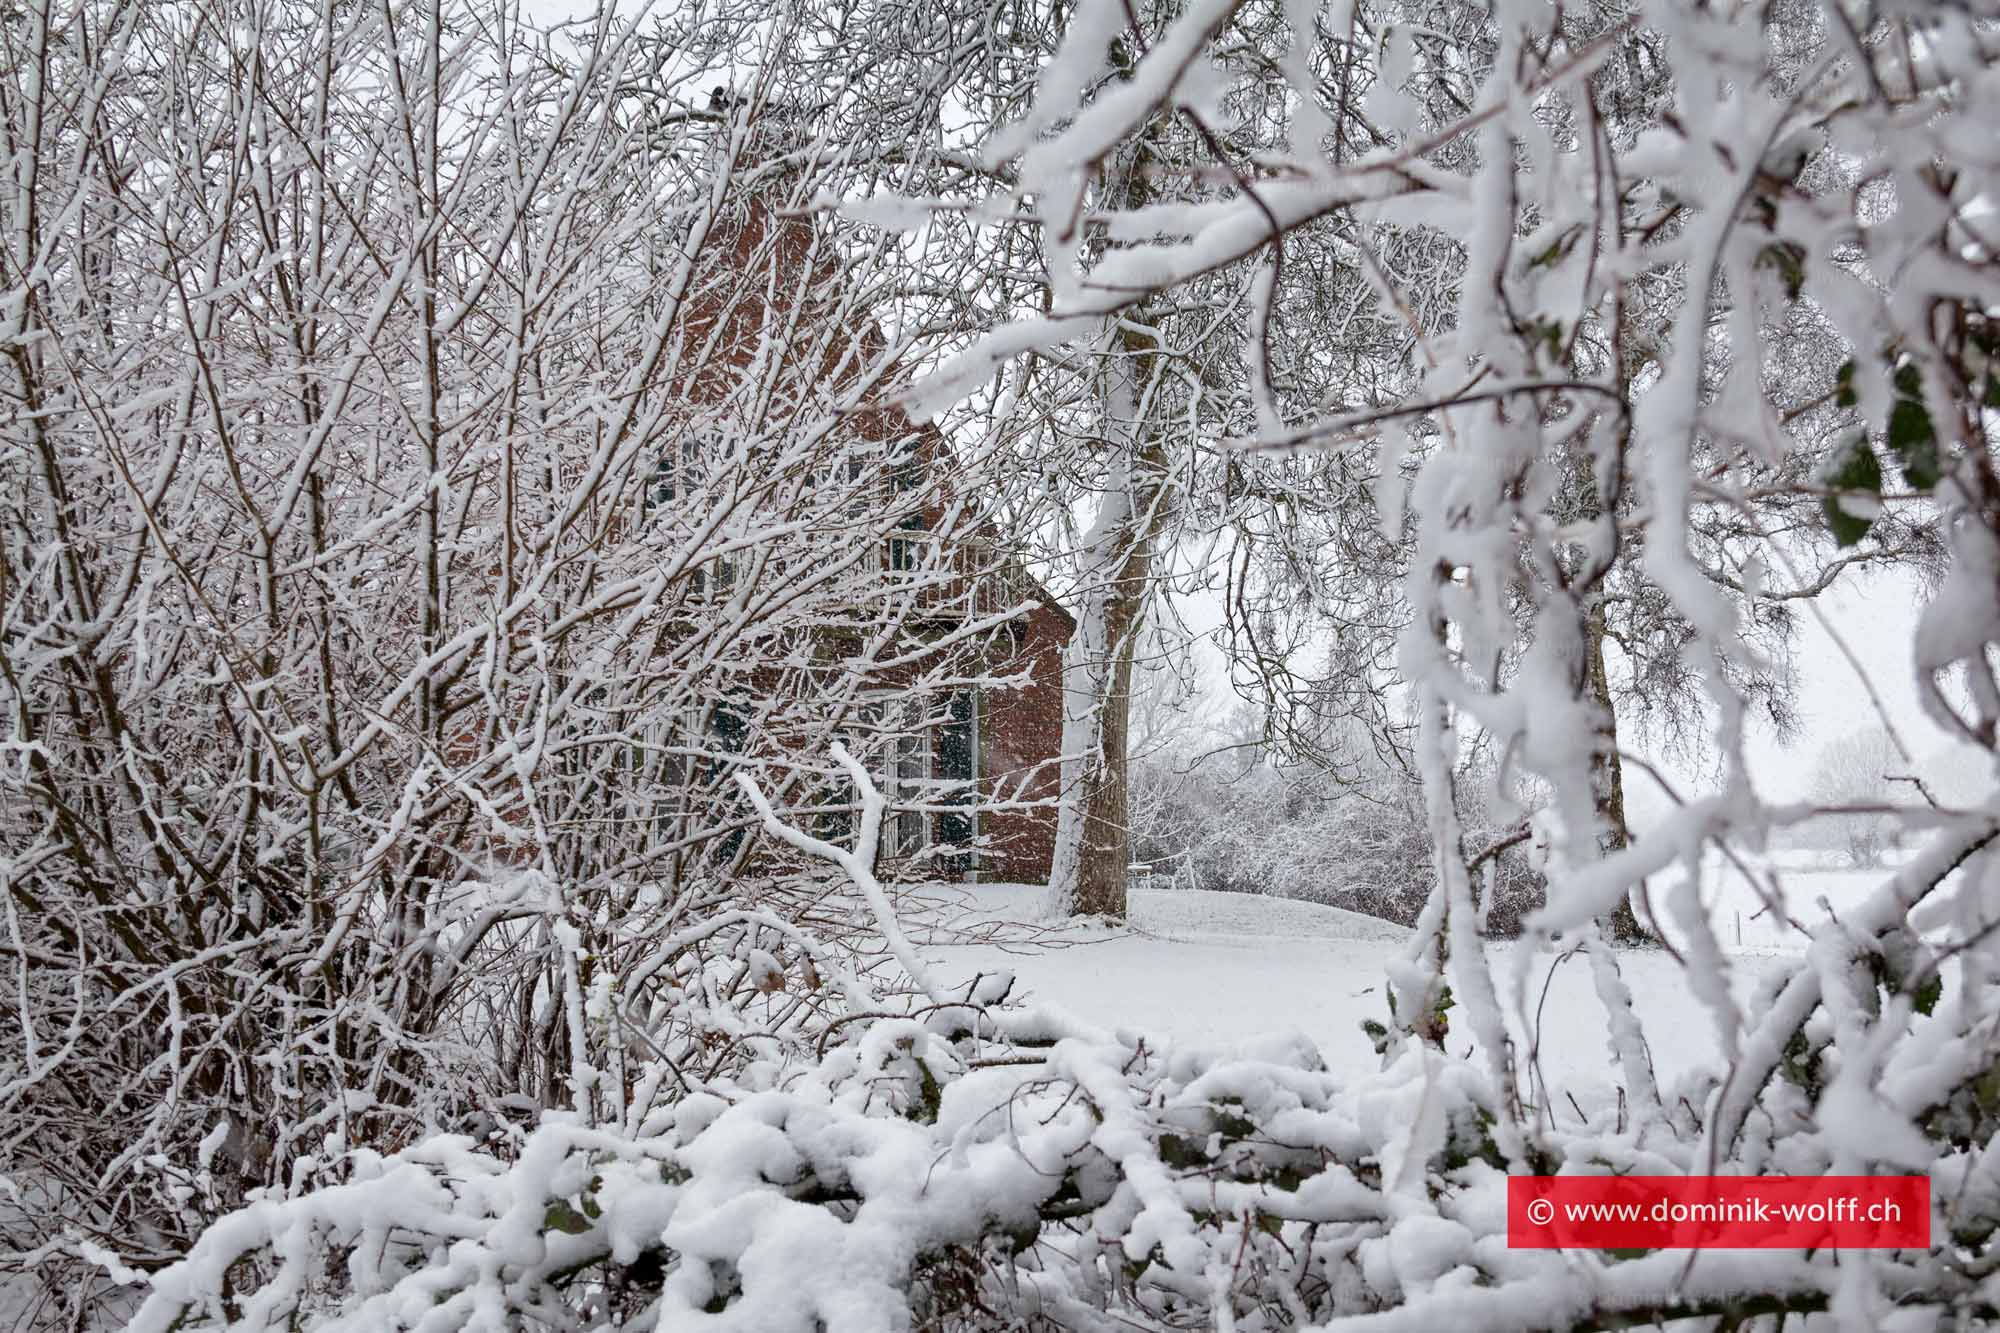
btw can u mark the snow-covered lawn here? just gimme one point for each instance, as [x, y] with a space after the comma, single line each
[1238, 971]
[1807, 895]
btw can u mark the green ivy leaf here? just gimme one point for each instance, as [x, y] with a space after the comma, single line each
[1854, 469]
[1800, 1064]
[1440, 1024]
[930, 1096]
[1233, 1127]
[1377, 1034]
[1913, 439]
[1925, 997]
[561, 1217]
[1843, 393]
[1789, 259]
[1986, 1089]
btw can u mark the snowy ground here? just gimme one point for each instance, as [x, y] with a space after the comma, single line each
[1219, 969]
[1805, 894]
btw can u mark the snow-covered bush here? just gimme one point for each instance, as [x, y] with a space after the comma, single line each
[1358, 840]
[969, 1166]
[1858, 774]
[930, 1172]
[424, 478]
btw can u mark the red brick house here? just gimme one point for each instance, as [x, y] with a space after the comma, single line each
[992, 750]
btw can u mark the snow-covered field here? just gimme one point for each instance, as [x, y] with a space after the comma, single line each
[1804, 895]
[1234, 970]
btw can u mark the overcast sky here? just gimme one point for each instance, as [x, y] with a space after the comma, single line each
[1876, 616]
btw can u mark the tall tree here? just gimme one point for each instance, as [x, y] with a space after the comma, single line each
[1595, 458]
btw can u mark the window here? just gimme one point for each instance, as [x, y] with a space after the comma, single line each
[698, 748]
[910, 782]
[958, 772]
[676, 474]
[848, 473]
[673, 499]
[925, 756]
[905, 468]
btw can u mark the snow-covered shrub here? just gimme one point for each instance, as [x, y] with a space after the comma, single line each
[957, 1163]
[1858, 774]
[396, 558]
[927, 1172]
[969, 1166]
[1358, 841]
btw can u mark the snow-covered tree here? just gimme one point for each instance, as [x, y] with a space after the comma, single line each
[1859, 773]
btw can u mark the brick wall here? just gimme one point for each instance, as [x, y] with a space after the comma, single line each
[1020, 743]
[1019, 731]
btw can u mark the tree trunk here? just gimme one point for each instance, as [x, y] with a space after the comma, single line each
[1607, 775]
[1093, 836]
